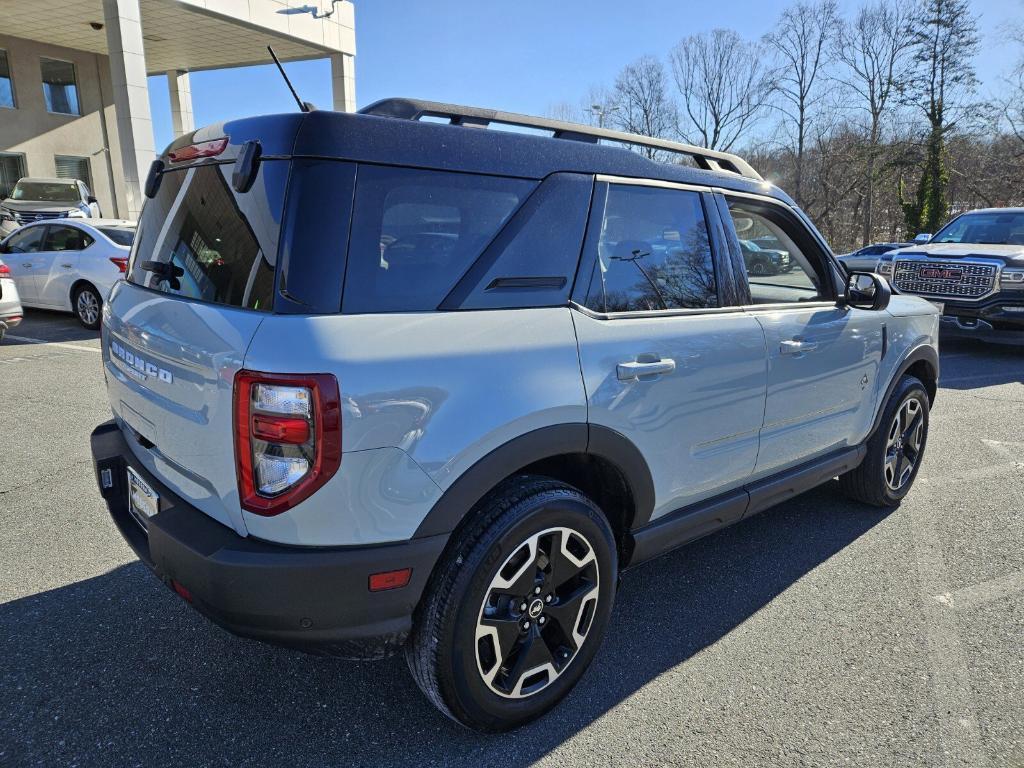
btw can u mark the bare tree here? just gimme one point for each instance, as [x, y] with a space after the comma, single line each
[875, 49]
[800, 42]
[639, 102]
[724, 84]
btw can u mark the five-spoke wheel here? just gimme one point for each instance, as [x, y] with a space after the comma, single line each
[903, 446]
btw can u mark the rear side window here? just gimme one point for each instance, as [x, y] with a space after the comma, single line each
[653, 252]
[415, 233]
[66, 239]
[120, 235]
[193, 241]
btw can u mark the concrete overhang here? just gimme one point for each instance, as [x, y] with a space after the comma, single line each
[194, 35]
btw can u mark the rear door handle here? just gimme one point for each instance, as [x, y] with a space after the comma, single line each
[28, 265]
[797, 347]
[67, 266]
[632, 370]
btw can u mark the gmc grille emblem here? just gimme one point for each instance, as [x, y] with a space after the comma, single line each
[940, 273]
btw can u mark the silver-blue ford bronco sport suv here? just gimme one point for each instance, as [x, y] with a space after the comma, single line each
[402, 380]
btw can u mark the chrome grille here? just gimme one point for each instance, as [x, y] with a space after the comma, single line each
[968, 280]
[27, 217]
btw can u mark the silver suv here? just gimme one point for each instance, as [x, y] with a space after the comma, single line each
[383, 383]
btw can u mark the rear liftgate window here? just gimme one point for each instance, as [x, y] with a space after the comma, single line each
[194, 241]
[415, 233]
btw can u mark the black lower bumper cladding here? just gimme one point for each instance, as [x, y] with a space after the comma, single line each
[315, 599]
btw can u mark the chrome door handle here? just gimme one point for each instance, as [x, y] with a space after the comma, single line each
[797, 347]
[633, 369]
[27, 265]
[67, 266]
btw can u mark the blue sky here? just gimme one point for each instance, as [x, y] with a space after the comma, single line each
[518, 56]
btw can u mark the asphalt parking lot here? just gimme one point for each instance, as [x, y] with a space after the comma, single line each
[819, 633]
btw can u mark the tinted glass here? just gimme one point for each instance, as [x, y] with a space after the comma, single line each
[782, 274]
[12, 168]
[193, 241]
[27, 240]
[653, 252]
[73, 168]
[66, 239]
[120, 235]
[6, 84]
[1003, 228]
[60, 90]
[415, 233]
[46, 192]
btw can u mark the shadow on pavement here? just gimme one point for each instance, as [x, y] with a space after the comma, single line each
[116, 670]
[969, 364]
[47, 325]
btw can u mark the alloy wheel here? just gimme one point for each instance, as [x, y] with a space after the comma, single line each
[903, 446]
[88, 307]
[537, 612]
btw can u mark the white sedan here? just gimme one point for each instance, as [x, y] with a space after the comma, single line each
[68, 264]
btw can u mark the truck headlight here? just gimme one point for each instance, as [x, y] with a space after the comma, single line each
[884, 268]
[76, 214]
[1012, 278]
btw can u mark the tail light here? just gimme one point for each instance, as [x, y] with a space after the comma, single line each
[287, 438]
[196, 151]
[121, 262]
[5, 271]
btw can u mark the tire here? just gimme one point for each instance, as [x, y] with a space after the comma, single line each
[879, 480]
[469, 646]
[87, 305]
[760, 268]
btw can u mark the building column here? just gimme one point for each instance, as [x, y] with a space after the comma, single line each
[343, 82]
[131, 96]
[182, 119]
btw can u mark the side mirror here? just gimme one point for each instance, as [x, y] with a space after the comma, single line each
[866, 290]
[91, 199]
[922, 238]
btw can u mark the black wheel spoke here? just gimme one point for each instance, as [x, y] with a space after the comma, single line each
[565, 610]
[508, 633]
[531, 653]
[908, 433]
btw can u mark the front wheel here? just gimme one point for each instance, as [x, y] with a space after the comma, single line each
[895, 450]
[87, 305]
[517, 608]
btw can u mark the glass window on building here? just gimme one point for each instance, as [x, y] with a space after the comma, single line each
[6, 83]
[59, 87]
[12, 168]
[69, 167]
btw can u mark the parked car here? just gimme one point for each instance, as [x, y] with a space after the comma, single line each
[973, 268]
[444, 419]
[69, 264]
[763, 261]
[10, 302]
[866, 259]
[38, 199]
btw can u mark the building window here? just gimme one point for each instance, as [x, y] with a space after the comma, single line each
[6, 83]
[73, 168]
[12, 168]
[59, 87]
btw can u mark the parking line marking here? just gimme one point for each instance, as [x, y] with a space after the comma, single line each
[980, 594]
[67, 344]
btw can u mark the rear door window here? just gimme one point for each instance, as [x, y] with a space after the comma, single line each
[194, 241]
[66, 239]
[415, 233]
[653, 252]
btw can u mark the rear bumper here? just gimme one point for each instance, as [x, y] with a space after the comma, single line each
[311, 598]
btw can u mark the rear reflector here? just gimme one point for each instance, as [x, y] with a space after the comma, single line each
[182, 591]
[280, 429]
[5, 271]
[196, 151]
[390, 579]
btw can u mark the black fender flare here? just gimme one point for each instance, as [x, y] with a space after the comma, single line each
[544, 443]
[923, 353]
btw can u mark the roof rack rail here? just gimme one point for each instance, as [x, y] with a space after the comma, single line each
[416, 109]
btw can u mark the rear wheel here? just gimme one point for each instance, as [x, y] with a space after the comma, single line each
[517, 609]
[88, 306]
[760, 268]
[895, 450]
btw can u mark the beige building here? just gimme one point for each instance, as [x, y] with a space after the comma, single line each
[74, 99]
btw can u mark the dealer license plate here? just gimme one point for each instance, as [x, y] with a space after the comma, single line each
[143, 501]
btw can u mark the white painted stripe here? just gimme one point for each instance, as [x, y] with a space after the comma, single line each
[986, 592]
[66, 344]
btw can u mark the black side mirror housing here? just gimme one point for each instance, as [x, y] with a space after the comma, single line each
[867, 290]
[91, 199]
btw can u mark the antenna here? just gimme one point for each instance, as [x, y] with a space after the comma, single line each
[304, 106]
